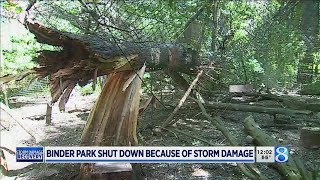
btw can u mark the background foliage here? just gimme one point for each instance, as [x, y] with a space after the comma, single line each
[256, 42]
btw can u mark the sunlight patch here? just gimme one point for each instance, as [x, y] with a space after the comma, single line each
[198, 172]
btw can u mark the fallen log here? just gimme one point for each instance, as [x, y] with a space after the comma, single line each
[293, 170]
[257, 109]
[292, 102]
[282, 126]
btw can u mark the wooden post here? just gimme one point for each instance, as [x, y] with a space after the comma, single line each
[3, 88]
[48, 113]
[6, 101]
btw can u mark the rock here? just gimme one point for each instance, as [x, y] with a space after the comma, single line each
[249, 140]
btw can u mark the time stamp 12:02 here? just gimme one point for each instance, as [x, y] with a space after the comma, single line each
[271, 154]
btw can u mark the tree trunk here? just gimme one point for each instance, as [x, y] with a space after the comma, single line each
[113, 121]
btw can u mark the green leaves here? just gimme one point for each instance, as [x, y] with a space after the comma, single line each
[11, 6]
[18, 48]
[146, 75]
[18, 59]
[255, 65]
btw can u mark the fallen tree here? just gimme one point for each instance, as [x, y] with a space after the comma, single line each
[80, 58]
[85, 57]
[258, 109]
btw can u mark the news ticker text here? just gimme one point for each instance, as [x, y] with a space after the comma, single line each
[221, 154]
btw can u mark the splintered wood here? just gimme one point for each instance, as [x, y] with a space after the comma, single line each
[113, 120]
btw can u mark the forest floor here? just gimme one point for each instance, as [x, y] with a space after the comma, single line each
[67, 127]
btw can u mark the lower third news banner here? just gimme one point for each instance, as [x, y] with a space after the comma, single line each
[223, 154]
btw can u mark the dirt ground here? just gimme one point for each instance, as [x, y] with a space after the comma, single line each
[67, 127]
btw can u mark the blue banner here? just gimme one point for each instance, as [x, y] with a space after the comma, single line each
[29, 154]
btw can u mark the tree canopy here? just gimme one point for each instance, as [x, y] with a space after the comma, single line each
[272, 42]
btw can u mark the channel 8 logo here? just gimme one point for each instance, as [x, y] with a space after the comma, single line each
[281, 154]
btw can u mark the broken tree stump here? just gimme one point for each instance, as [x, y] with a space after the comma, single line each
[310, 137]
[112, 122]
